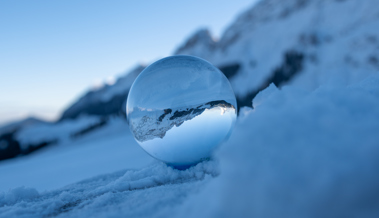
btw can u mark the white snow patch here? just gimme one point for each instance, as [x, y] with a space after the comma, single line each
[263, 95]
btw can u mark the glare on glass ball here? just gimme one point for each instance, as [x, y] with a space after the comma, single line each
[180, 109]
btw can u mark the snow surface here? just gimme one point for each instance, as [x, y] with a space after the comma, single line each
[42, 132]
[327, 167]
[105, 150]
[135, 193]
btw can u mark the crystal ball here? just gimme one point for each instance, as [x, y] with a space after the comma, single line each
[180, 109]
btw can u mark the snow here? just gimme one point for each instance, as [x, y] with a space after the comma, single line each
[264, 95]
[42, 132]
[105, 150]
[18, 194]
[134, 192]
[14, 125]
[305, 154]
[122, 84]
[335, 37]
[110, 94]
[326, 167]
[308, 149]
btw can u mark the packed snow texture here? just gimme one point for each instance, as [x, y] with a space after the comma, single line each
[156, 188]
[300, 154]
[297, 154]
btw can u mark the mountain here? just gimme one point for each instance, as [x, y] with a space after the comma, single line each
[10, 147]
[309, 148]
[302, 43]
[105, 101]
[299, 42]
[10, 127]
[148, 125]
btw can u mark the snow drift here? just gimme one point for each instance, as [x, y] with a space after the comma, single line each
[297, 154]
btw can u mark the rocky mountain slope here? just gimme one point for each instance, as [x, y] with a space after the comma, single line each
[302, 43]
[148, 125]
[299, 42]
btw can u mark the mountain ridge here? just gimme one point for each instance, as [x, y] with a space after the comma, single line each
[302, 43]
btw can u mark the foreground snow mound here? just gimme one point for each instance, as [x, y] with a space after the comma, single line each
[17, 194]
[130, 193]
[300, 154]
[297, 154]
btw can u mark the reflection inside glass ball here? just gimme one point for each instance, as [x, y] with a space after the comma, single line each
[180, 109]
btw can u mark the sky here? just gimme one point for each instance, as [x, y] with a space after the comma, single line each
[51, 52]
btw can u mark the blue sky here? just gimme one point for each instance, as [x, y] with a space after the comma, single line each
[52, 51]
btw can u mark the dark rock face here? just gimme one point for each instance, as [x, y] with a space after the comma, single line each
[200, 109]
[166, 112]
[230, 70]
[34, 147]
[10, 147]
[95, 107]
[292, 65]
[94, 103]
[91, 128]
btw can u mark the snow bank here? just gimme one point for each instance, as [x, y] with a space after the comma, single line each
[300, 154]
[160, 174]
[17, 194]
[126, 193]
[296, 154]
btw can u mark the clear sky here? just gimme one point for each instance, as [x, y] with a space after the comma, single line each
[53, 51]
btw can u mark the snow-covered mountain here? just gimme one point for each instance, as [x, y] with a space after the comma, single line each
[309, 148]
[89, 112]
[302, 43]
[105, 101]
[297, 154]
[148, 125]
[9, 147]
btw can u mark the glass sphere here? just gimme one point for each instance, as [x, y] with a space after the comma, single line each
[180, 108]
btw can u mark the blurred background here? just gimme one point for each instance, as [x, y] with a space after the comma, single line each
[52, 52]
[67, 66]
